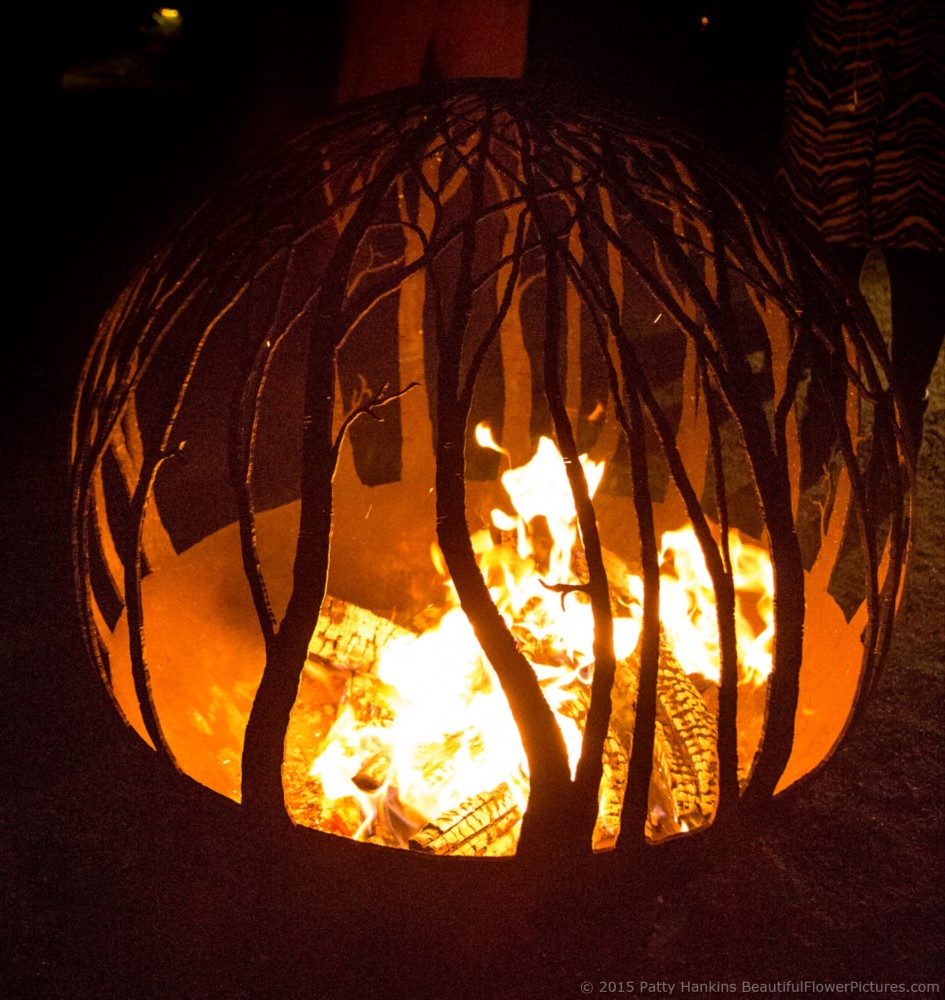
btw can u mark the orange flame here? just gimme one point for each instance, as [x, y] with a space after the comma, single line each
[445, 732]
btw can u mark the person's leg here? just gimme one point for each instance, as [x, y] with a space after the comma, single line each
[917, 281]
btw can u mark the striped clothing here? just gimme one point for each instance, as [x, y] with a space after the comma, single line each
[863, 150]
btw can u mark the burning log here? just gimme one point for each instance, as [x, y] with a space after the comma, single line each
[483, 824]
[689, 733]
[684, 783]
[373, 774]
[348, 637]
[437, 766]
[685, 755]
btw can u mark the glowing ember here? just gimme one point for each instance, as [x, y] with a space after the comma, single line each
[423, 751]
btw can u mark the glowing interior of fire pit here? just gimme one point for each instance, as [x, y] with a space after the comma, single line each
[401, 734]
[405, 738]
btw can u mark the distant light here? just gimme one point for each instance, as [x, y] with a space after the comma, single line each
[168, 21]
[704, 21]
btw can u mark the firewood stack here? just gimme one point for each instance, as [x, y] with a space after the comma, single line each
[683, 785]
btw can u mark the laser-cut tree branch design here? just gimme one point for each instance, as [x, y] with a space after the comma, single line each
[501, 201]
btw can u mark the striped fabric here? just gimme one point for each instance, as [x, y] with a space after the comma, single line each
[863, 150]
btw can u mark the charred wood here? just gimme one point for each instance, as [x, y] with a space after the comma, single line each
[483, 824]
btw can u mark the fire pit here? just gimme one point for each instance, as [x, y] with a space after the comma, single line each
[485, 475]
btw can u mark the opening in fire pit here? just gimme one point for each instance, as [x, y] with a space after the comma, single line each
[485, 474]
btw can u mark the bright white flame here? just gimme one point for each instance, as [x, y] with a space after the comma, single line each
[688, 610]
[485, 439]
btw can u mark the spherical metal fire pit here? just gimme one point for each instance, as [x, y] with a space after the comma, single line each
[488, 474]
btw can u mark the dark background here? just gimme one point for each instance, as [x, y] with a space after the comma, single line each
[125, 881]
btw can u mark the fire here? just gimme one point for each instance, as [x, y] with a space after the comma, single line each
[426, 735]
[687, 605]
